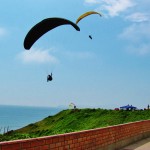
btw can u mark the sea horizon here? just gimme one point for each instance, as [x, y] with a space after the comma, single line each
[13, 117]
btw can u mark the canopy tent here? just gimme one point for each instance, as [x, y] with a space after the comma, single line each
[128, 107]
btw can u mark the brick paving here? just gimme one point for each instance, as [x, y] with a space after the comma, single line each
[140, 145]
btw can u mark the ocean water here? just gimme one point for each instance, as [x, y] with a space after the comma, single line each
[15, 117]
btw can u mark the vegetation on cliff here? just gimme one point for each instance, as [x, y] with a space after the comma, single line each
[76, 120]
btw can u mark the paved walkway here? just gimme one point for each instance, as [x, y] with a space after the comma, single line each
[141, 145]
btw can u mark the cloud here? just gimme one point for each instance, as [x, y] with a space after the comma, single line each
[3, 32]
[138, 37]
[112, 7]
[37, 56]
[80, 55]
[138, 17]
[136, 14]
[137, 32]
[92, 1]
[131, 10]
[139, 49]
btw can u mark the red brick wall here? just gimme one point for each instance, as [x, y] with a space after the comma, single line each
[94, 139]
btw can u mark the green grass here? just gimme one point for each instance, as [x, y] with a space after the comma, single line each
[76, 120]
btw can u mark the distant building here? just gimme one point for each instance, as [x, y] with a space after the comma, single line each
[72, 106]
[128, 107]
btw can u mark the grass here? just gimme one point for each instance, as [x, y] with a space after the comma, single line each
[76, 120]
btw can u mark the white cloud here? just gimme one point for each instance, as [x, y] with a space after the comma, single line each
[3, 32]
[80, 55]
[114, 7]
[138, 17]
[141, 49]
[92, 1]
[136, 13]
[137, 32]
[138, 37]
[132, 10]
[37, 56]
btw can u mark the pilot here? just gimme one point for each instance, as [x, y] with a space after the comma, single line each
[49, 77]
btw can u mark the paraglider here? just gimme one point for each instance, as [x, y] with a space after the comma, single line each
[87, 14]
[49, 77]
[43, 27]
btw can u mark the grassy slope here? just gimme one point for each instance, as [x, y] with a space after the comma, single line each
[81, 119]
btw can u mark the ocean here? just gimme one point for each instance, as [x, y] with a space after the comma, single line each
[15, 117]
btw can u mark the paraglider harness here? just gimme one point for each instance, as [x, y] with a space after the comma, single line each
[90, 37]
[49, 77]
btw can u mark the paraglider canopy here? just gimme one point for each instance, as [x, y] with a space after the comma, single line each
[43, 27]
[87, 14]
[49, 77]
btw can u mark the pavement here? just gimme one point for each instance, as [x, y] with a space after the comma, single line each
[140, 145]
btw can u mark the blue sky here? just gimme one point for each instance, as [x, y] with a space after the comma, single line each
[111, 70]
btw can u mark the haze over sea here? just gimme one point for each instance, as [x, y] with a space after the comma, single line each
[14, 117]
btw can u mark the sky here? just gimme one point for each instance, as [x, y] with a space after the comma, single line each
[109, 71]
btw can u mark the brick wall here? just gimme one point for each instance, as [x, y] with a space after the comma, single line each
[109, 138]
